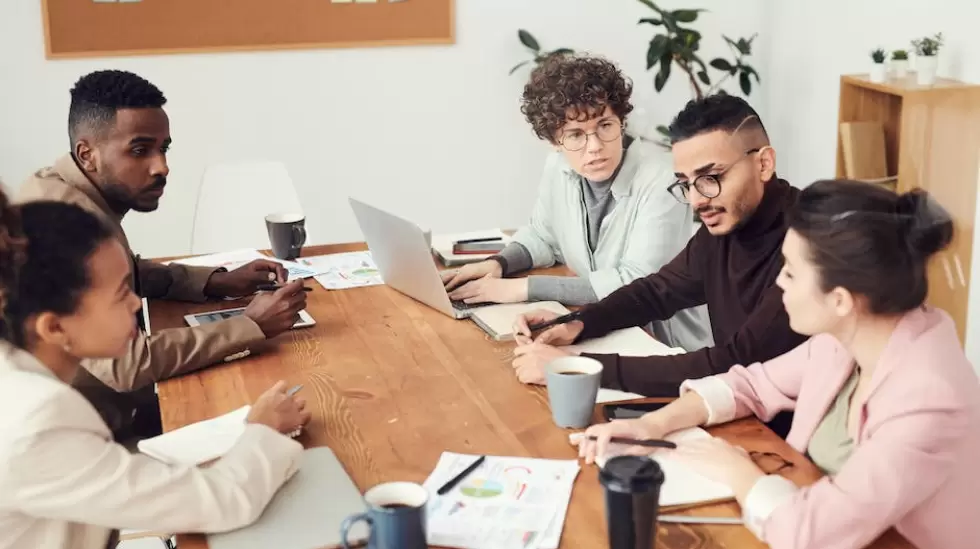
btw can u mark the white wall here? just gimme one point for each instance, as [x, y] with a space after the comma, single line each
[432, 132]
[813, 43]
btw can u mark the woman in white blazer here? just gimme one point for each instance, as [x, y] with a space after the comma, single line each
[65, 296]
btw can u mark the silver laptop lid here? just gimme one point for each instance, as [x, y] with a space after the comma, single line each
[403, 255]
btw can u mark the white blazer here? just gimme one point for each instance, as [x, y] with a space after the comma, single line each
[64, 483]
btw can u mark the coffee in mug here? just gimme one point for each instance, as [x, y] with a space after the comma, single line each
[573, 385]
[395, 516]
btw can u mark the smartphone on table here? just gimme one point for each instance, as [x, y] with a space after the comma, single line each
[628, 410]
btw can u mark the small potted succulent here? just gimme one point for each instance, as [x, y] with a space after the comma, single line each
[926, 58]
[900, 63]
[878, 65]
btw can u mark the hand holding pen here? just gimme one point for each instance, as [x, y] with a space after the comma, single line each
[280, 409]
[551, 328]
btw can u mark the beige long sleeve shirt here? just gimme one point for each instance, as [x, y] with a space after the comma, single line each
[151, 358]
[64, 483]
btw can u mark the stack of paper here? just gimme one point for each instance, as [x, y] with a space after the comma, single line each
[682, 485]
[442, 245]
[199, 442]
[507, 502]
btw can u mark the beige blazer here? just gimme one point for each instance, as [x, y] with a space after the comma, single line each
[64, 483]
[167, 352]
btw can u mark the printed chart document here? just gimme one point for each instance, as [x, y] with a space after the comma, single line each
[507, 502]
[344, 270]
[236, 258]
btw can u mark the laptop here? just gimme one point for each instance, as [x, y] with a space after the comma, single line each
[402, 253]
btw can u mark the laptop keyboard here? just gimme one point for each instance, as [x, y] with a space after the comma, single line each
[461, 306]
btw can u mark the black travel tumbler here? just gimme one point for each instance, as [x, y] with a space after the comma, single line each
[632, 485]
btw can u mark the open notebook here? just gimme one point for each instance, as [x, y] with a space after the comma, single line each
[627, 342]
[682, 485]
[498, 320]
[199, 442]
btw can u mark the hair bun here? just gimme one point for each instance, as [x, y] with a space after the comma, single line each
[929, 227]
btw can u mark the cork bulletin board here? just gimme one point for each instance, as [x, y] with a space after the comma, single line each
[102, 28]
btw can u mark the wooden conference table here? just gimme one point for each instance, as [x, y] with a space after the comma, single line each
[393, 383]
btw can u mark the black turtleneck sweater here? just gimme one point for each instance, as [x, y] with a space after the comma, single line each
[734, 275]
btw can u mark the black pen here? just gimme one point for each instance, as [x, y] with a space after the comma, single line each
[475, 240]
[455, 480]
[651, 443]
[273, 287]
[564, 319]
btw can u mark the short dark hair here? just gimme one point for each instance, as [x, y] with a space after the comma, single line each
[44, 249]
[583, 84]
[97, 96]
[872, 241]
[715, 112]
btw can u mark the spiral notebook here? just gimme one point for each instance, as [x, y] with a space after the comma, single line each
[199, 442]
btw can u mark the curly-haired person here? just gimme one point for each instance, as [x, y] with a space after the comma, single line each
[603, 208]
[120, 136]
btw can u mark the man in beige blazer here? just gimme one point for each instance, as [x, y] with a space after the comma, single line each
[119, 136]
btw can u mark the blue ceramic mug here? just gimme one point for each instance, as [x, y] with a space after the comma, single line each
[395, 517]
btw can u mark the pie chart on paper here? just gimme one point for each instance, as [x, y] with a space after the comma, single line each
[481, 488]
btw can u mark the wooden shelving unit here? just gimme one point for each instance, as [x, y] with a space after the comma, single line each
[932, 141]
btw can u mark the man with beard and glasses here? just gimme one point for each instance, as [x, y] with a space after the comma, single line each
[120, 136]
[726, 170]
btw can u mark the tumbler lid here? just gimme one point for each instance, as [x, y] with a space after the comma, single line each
[631, 474]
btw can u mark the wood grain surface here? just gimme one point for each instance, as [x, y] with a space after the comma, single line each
[393, 383]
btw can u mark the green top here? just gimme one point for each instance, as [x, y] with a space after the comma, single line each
[831, 445]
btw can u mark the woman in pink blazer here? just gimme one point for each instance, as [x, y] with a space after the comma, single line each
[885, 401]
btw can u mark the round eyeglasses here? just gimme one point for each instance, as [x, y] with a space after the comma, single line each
[708, 185]
[576, 140]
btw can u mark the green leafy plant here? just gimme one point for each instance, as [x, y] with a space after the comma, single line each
[878, 55]
[900, 55]
[679, 45]
[534, 47]
[928, 46]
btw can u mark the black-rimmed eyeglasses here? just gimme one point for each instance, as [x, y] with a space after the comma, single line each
[708, 185]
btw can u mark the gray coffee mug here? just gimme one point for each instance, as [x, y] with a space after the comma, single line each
[287, 233]
[395, 516]
[573, 385]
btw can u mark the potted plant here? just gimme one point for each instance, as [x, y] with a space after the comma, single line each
[926, 58]
[900, 63]
[878, 65]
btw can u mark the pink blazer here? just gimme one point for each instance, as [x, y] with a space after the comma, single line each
[915, 462]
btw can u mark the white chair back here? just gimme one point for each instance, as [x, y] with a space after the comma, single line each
[233, 201]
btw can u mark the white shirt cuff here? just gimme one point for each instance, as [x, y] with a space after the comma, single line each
[717, 395]
[768, 493]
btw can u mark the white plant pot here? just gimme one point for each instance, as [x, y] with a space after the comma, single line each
[878, 72]
[925, 69]
[900, 68]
